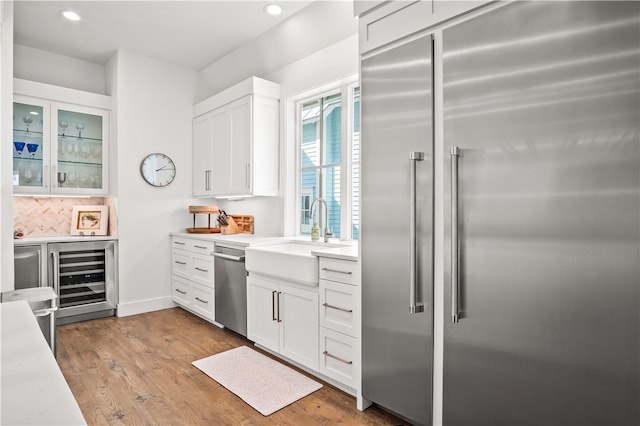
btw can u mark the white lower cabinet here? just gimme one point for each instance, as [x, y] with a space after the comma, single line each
[338, 307]
[192, 279]
[202, 301]
[340, 321]
[284, 319]
[181, 290]
[339, 357]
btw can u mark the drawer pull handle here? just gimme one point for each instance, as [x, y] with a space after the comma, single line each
[180, 291]
[200, 300]
[200, 247]
[337, 271]
[337, 358]
[181, 263]
[326, 305]
[179, 243]
[201, 270]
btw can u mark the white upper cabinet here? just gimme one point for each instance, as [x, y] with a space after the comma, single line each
[235, 141]
[202, 154]
[396, 19]
[60, 140]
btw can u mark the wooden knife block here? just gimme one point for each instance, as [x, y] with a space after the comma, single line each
[238, 224]
[231, 228]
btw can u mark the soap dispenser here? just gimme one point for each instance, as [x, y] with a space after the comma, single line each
[315, 232]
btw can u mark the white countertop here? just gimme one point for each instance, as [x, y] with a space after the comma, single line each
[33, 389]
[348, 252]
[244, 240]
[344, 253]
[60, 239]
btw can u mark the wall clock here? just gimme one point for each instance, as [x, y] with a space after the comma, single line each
[157, 169]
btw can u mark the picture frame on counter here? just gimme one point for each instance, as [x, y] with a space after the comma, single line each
[89, 220]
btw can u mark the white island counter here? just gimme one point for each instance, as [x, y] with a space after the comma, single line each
[33, 390]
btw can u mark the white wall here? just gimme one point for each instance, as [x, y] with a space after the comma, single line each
[46, 67]
[315, 27]
[6, 155]
[154, 113]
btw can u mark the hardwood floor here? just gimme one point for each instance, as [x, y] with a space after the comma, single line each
[137, 370]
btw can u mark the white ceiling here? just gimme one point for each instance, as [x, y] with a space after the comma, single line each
[194, 34]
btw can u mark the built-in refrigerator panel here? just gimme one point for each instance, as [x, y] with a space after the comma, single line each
[396, 204]
[542, 100]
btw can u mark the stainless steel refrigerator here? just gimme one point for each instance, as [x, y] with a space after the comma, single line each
[542, 136]
[541, 124]
[397, 223]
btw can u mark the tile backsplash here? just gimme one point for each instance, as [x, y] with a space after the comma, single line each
[51, 216]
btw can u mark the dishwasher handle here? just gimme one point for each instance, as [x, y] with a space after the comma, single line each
[228, 256]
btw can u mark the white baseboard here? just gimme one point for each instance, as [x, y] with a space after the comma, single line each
[142, 306]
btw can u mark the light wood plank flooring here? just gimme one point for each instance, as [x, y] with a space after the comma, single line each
[137, 370]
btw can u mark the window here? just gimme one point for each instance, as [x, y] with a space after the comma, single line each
[305, 220]
[329, 146]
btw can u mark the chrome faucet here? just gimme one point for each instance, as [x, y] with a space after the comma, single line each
[327, 231]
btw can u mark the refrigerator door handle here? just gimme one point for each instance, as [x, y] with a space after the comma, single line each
[455, 154]
[414, 306]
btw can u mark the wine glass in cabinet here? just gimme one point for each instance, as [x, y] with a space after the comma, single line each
[30, 144]
[81, 155]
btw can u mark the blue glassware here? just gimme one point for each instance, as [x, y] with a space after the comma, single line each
[19, 147]
[32, 148]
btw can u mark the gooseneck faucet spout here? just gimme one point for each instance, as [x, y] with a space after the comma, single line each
[327, 231]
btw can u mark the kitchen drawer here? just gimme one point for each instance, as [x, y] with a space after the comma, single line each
[202, 269]
[338, 307]
[202, 302]
[342, 271]
[202, 247]
[180, 243]
[180, 263]
[181, 291]
[338, 357]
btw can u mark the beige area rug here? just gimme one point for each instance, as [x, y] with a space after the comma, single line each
[261, 382]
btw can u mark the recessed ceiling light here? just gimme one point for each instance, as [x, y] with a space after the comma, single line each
[273, 9]
[70, 15]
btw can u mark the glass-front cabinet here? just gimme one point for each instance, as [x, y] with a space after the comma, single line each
[59, 148]
[30, 144]
[79, 148]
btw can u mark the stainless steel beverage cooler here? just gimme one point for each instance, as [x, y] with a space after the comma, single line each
[83, 274]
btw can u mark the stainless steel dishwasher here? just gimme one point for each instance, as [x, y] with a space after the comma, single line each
[230, 288]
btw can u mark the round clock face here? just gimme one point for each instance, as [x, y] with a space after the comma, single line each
[158, 169]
